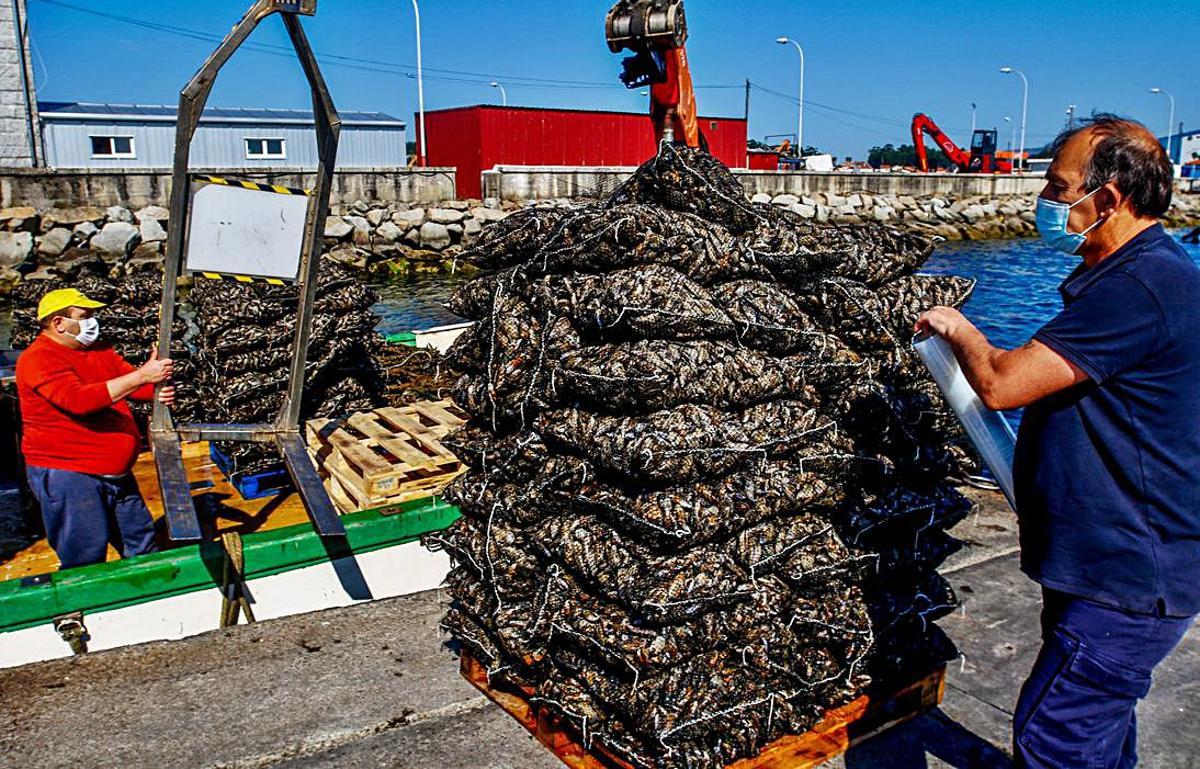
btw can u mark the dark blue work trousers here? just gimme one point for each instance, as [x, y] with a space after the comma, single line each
[1077, 708]
[84, 513]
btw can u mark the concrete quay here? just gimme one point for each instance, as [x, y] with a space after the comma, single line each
[372, 686]
[520, 183]
[44, 188]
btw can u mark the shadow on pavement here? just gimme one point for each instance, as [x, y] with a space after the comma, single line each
[908, 746]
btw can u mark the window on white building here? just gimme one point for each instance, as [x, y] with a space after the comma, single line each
[112, 147]
[258, 149]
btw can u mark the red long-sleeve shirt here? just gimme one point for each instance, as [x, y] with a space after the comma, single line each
[68, 417]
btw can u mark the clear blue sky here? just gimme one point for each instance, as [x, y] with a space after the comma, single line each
[871, 63]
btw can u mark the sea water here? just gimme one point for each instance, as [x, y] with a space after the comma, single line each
[1016, 290]
[1017, 283]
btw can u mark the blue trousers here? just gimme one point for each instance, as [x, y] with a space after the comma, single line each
[1077, 708]
[84, 513]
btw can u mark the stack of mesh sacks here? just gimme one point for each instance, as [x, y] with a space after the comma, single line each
[706, 498]
[245, 339]
[129, 322]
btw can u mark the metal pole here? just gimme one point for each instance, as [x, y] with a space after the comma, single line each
[1024, 109]
[1024, 116]
[1170, 125]
[1170, 120]
[800, 125]
[974, 106]
[503, 93]
[800, 121]
[421, 87]
[329, 126]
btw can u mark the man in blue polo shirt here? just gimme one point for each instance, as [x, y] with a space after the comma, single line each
[1107, 469]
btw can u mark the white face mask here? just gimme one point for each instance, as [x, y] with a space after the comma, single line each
[89, 331]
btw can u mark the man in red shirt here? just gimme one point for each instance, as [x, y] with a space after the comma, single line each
[80, 440]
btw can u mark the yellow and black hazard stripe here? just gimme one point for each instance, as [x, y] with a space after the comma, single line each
[242, 278]
[252, 186]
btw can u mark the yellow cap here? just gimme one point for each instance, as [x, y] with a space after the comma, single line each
[63, 298]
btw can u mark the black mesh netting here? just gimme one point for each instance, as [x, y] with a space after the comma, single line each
[245, 337]
[706, 496]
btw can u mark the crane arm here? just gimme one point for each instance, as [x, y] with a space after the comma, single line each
[673, 103]
[656, 32]
[923, 124]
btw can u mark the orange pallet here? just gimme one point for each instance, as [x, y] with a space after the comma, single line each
[838, 731]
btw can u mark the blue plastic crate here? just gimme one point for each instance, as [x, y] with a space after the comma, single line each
[251, 486]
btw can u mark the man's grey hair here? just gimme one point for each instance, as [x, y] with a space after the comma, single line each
[1129, 154]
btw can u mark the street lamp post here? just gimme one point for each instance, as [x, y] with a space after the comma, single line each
[1012, 142]
[1024, 108]
[1170, 120]
[800, 122]
[503, 93]
[421, 87]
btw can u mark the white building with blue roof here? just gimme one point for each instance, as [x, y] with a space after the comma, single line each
[1185, 146]
[137, 136]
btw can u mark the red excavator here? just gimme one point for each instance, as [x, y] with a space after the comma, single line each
[981, 159]
[656, 31]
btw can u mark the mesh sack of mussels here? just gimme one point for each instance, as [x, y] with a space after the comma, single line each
[245, 338]
[129, 321]
[412, 374]
[707, 492]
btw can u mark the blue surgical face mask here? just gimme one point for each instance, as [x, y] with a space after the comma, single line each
[1052, 218]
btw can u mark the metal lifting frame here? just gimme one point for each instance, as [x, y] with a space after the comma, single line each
[182, 522]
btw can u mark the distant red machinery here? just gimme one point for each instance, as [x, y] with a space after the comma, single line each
[980, 160]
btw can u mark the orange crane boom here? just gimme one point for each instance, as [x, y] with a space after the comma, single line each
[980, 160]
[656, 32]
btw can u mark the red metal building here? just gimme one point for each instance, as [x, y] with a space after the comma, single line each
[476, 139]
[764, 160]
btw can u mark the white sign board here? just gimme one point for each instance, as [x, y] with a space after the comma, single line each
[237, 231]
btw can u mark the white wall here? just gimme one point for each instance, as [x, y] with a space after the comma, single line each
[68, 145]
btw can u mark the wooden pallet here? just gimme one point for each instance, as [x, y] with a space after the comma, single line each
[386, 456]
[838, 731]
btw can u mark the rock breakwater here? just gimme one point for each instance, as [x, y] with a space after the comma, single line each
[402, 239]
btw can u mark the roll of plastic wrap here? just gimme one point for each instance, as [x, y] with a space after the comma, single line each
[988, 430]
